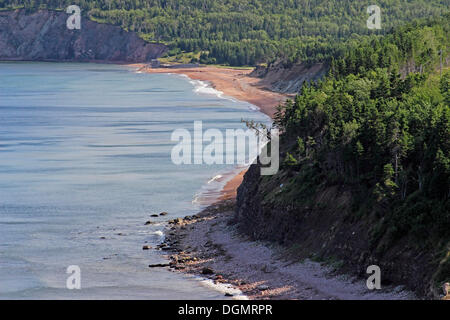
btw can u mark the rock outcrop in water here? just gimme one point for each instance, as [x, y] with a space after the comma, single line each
[43, 36]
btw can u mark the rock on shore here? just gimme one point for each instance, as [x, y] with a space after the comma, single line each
[209, 245]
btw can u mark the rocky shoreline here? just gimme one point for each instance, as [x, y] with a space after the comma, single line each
[209, 245]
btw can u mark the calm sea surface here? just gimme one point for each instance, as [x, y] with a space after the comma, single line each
[84, 160]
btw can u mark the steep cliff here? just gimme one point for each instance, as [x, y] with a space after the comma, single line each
[289, 79]
[323, 227]
[43, 36]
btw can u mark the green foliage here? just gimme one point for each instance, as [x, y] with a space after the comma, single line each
[300, 146]
[415, 46]
[445, 87]
[382, 130]
[248, 32]
[289, 160]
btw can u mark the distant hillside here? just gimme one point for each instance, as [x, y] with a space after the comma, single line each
[247, 32]
[43, 36]
[365, 153]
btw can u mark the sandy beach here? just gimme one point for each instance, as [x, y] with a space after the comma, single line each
[229, 191]
[232, 82]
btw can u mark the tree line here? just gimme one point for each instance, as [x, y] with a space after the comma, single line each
[247, 32]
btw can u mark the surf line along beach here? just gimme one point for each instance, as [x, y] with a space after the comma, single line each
[233, 82]
[207, 245]
[236, 83]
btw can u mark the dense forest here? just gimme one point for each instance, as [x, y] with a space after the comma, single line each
[247, 32]
[379, 126]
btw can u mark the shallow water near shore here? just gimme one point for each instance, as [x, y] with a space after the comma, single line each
[84, 161]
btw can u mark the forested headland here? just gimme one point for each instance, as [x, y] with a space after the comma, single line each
[247, 32]
[366, 153]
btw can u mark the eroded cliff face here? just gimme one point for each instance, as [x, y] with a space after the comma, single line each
[43, 36]
[280, 78]
[323, 227]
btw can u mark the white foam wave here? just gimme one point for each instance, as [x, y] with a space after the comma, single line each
[160, 234]
[224, 288]
[196, 199]
[203, 87]
[215, 178]
[252, 107]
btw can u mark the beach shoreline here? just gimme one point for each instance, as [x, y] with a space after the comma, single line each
[209, 245]
[238, 84]
[235, 83]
